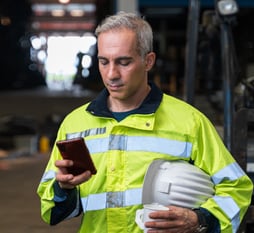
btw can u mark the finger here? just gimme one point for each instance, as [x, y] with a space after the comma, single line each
[70, 181]
[63, 163]
[173, 213]
[166, 219]
[84, 176]
[64, 180]
[181, 220]
[81, 178]
[163, 214]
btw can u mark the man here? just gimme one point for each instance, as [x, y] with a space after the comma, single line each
[130, 124]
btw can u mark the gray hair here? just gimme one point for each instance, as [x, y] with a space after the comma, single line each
[131, 21]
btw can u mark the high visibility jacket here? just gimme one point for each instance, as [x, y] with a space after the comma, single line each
[162, 128]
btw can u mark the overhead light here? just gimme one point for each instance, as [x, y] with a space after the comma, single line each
[58, 13]
[77, 13]
[227, 7]
[36, 42]
[64, 1]
[5, 21]
[86, 61]
[74, 9]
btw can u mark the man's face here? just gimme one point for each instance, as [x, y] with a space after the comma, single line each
[123, 71]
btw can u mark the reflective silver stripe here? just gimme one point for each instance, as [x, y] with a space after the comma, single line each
[49, 175]
[140, 143]
[86, 133]
[228, 205]
[231, 172]
[112, 199]
[97, 145]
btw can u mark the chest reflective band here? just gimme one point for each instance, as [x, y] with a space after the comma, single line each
[105, 200]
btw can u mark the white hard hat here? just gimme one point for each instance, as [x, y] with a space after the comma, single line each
[176, 183]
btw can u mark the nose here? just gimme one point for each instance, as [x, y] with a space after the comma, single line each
[112, 72]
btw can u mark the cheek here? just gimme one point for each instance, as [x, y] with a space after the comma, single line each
[134, 70]
[137, 72]
[102, 70]
[103, 76]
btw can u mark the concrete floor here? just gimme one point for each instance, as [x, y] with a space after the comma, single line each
[19, 203]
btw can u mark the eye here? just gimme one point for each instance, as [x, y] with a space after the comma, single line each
[103, 61]
[124, 62]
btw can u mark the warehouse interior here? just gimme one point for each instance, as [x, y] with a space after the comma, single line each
[48, 67]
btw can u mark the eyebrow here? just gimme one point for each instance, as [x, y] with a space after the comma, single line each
[118, 58]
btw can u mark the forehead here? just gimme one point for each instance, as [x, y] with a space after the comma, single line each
[122, 41]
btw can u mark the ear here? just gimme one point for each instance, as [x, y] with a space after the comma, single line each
[150, 60]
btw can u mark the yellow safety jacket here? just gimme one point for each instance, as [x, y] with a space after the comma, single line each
[162, 128]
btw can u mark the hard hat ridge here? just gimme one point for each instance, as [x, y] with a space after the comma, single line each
[176, 183]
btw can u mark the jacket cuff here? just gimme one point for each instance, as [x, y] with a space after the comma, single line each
[61, 194]
[212, 222]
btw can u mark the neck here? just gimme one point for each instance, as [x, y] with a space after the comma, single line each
[118, 105]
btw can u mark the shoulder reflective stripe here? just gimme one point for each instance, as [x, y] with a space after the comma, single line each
[112, 199]
[231, 209]
[49, 175]
[86, 133]
[231, 172]
[74, 135]
[141, 143]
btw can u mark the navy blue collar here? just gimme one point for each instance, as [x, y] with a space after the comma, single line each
[99, 107]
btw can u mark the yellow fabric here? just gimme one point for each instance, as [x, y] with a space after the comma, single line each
[120, 170]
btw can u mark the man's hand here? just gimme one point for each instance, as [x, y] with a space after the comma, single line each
[67, 180]
[175, 220]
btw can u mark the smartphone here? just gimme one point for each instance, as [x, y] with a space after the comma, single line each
[76, 150]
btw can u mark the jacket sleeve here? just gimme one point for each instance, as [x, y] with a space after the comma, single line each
[233, 188]
[56, 204]
[67, 204]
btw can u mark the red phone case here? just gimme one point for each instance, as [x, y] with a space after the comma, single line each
[77, 151]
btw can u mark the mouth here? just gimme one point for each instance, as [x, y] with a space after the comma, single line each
[114, 86]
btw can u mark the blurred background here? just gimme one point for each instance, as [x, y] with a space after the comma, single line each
[48, 66]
